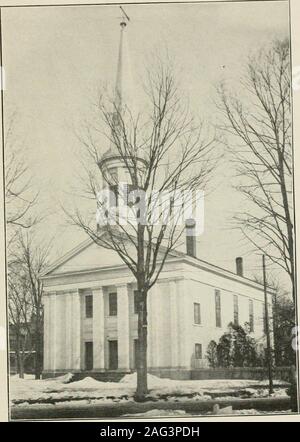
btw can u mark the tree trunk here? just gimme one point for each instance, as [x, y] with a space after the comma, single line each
[142, 386]
[19, 357]
[17, 361]
[275, 332]
[21, 366]
[37, 368]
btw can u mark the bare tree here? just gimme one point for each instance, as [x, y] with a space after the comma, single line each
[283, 321]
[163, 151]
[29, 260]
[20, 315]
[260, 143]
[19, 195]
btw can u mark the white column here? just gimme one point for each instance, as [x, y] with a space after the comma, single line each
[68, 326]
[123, 327]
[47, 337]
[150, 328]
[76, 330]
[155, 317]
[60, 331]
[185, 326]
[98, 328]
[53, 330]
[174, 324]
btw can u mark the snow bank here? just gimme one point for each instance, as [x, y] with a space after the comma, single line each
[153, 381]
[26, 376]
[87, 382]
[280, 392]
[65, 379]
[57, 390]
[264, 392]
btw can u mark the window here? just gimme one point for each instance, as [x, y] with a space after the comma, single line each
[198, 351]
[235, 309]
[113, 195]
[136, 301]
[113, 305]
[89, 356]
[114, 175]
[197, 313]
[130, 198]
[251, 315]
[218, 308]
[113, 187]
[89, 306]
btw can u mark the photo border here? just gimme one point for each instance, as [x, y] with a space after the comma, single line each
[294, 11]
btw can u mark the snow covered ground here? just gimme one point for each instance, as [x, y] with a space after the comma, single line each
[181, 413]
[61, 391]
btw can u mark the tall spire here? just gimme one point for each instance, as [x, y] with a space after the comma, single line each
[119, 88]
[119, 78]
[111, 159]
[124, 20]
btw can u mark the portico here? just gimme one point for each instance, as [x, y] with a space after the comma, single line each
[69, 328]
[72, 328]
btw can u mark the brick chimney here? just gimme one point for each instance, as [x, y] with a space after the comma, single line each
[190, 237]
[239, 266]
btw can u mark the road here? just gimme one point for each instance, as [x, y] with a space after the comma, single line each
[109, 410]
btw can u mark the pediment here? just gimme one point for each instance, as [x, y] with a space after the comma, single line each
[88, 256]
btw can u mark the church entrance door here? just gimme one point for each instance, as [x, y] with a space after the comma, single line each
[113, 354]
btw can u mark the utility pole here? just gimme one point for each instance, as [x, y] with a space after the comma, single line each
[269, 350]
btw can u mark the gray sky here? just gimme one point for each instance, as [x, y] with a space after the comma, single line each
[55, 59]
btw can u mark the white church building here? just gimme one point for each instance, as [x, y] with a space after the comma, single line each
[90, 311]
[90, 320]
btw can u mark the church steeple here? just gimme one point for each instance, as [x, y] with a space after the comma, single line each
[112, 163]
[119, 79]
[112, 152]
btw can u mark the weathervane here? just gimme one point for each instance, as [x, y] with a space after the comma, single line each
[124, 18]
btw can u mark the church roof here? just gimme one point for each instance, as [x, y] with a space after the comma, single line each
[175, 255]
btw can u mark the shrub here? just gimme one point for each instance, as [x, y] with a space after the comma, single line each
[236, 348]
[212, 355]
